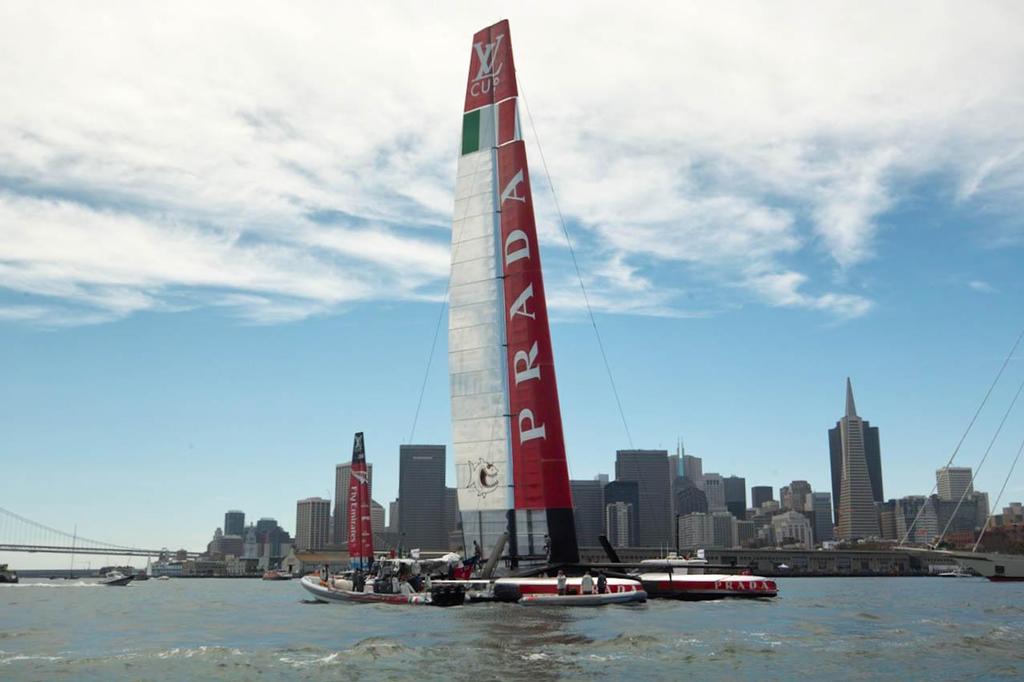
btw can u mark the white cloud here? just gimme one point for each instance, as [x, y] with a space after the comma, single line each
[284, 162]
[982, 287]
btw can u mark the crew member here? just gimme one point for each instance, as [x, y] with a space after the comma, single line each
[587, 584]
[561, 583]
[602, 583]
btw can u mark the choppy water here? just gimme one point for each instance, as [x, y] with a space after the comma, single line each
[869, 628]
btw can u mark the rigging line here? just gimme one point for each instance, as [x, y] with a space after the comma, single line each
[995, 505]
[981, 463]
[970, 425]
[576, 265]
[430, 360]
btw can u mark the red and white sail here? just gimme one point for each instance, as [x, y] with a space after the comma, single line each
[360, 529]
[506, 422]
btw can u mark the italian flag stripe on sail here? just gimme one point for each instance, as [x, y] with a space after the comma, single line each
[478, 126]
[478, 129]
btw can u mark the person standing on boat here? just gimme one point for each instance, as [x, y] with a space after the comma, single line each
[477, 554]
[426, 583]
[547, 548]
[602, 583]
[587, 584]
[561, 583]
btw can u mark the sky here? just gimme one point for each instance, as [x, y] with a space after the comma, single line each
[224, 241]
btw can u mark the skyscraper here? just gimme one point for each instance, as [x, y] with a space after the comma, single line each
[588, 510]
[619, 522]
[872, 455]
[689, 499]
[953, 483]
[858, 517]
[342, 474]
[796, 494]
[234, 522]
[421, 494]
[735, 489]
[760, 494]
[648, 468]
[819, 506]
[376, 517]
[693, 469]
[627, 492]
[714, 488]
[393, 516]
[312, 523]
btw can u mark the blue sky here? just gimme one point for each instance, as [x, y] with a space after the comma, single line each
[225, 250]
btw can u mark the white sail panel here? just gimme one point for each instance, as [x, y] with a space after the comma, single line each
[476, 356]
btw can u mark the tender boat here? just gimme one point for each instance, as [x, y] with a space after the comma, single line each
[676, 578]
[7, 575]
[276, 575]
[116, 579]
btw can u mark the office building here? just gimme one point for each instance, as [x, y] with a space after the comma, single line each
[760, 494]
[872, 457]
[342, 477]
[714, 488]
[735, 489]
[312, 523]
[858, 517]
[377, 517]
[393, 516]
[703, 531]
[794, 496]
[451, 511]
[234, 522]
[588, 511]
[954, 483]
[746, 533]
[819, 508]
[792, 528]
[648, 469]
[619, 523]
[887, 520]
[627, 492]
[421, 491]
[689, 499]
[693, 469]
[916, 520]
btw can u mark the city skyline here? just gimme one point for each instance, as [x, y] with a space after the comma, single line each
[222, 293]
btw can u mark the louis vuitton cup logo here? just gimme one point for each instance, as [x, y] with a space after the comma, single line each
[483, 477]
[487, 75]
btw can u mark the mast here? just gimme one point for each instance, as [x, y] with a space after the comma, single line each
[506, 422]
[360, 530]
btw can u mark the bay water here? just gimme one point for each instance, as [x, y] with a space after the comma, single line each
[222, 629]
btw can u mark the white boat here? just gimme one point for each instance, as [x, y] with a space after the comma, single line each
[992, 565]
[626, 597]
[676, 578]
[516, 589]
[116, 579]
[325, 592]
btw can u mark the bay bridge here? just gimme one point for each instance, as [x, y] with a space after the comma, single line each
[20, 534]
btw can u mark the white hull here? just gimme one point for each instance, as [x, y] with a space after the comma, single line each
[329, 594]
[630, 597]
[994, 566]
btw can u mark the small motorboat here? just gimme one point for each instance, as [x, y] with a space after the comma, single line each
[340, 590]
[163, 577]
[276, 575]
[7, 575]
[627, 597]
[115, 579]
